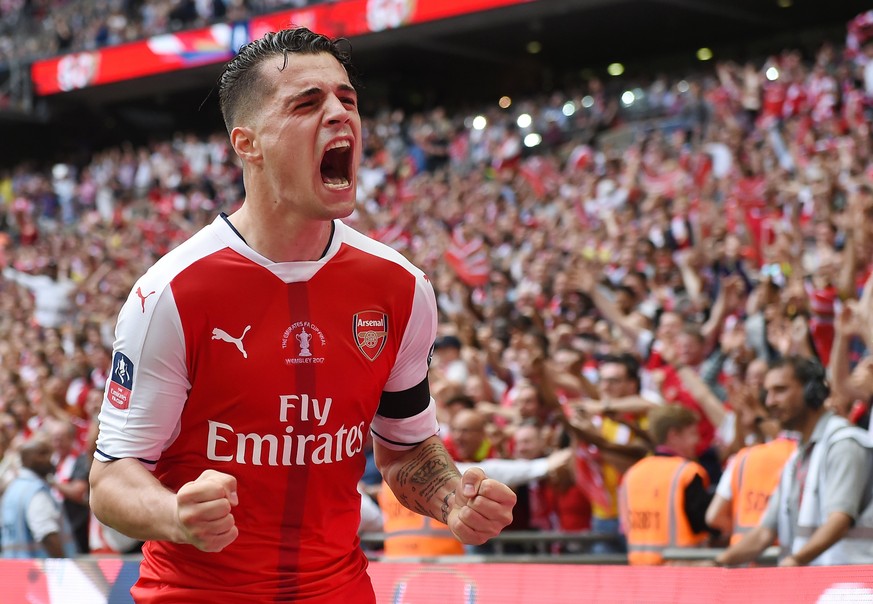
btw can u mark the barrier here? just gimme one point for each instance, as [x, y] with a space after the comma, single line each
[549, 544]
[107, 581]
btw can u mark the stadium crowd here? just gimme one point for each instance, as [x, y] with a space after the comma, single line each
[594, 264]
[31, 30]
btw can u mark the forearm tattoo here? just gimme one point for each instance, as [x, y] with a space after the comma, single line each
[421, 478]
[445, 507]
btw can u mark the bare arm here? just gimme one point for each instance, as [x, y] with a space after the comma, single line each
[709, 403]
[749, 548]
[718, 514]
[849, 265]
[54, 545]
[128, 498]
[847, 325]
[833, 529]
[634, 404]
[582, 277]
[619, 455]
[426, 480]
[574, 383]
[689, 273]
[612, 314]
[865, 306]
[74, 490]
[421, 478]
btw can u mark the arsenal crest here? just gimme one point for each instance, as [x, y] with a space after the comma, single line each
[371, 332]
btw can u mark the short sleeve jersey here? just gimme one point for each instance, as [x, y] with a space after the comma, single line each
[274, 373]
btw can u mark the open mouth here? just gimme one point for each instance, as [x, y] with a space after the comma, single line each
[336, 165]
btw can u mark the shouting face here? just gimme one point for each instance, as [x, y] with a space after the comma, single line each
[302, 144]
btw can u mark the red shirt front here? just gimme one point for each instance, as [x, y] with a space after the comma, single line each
[273, 373]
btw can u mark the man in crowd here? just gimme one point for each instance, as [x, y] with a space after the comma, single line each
[664, 496]
[70, 479]
[822, 510]
[617, 444]
[34, 523]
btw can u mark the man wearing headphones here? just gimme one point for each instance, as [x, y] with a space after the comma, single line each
[821, 511]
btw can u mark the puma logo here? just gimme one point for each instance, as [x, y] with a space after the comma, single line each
[142, 297]
[220, 334]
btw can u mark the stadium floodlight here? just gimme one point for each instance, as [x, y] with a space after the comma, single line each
[504, 102]
[532, 140]
[704, 54]
[524, 120]
[615, 69]
[569, 108]
[479, 122]
[588, 101]
[627, 98]
[772, 73]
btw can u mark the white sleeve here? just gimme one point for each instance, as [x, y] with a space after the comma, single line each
[148, 383]
[724, 488]
[23, 279]
[406, 433]
[371, 515]
[511, 472]
[43, 516]
[409, 371]
[410, 367]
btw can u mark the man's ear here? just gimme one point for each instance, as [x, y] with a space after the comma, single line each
[245, 144]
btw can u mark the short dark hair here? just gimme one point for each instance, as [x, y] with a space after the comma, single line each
[447, 341]
[462, 400]
[240, 86]
[628, 361]
[810, 373]
[627, 289]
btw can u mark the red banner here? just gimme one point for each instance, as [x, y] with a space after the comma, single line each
[108, 581]
[217, 44]
[357, 17]
[160, 54]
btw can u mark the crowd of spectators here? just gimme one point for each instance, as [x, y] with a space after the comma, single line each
[583, 259]
[34, 29]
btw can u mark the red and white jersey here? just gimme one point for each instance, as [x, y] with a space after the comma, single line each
[271, 372]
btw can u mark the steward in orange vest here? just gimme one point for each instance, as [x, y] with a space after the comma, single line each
[756, 472]
[408, 534]
[663, 497]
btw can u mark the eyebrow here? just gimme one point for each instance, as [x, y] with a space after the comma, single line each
[316, 91]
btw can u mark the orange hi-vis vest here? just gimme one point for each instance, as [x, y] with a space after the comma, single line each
[756, 472]
[652, 505]
[408, 534]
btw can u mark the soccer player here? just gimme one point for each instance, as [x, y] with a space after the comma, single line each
[251, 361]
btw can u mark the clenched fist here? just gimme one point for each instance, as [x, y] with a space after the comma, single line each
[204, 511]
[480, 508]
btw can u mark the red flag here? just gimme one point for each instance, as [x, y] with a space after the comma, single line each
[589, 476]
[469, 259]
[393, 235]
[539, 173]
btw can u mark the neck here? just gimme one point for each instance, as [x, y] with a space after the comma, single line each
[283, 239]
[809, 424]
[668, 450]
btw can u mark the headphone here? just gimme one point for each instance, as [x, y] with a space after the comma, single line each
[815, 385]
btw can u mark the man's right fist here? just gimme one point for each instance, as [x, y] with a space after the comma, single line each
[203, 507]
